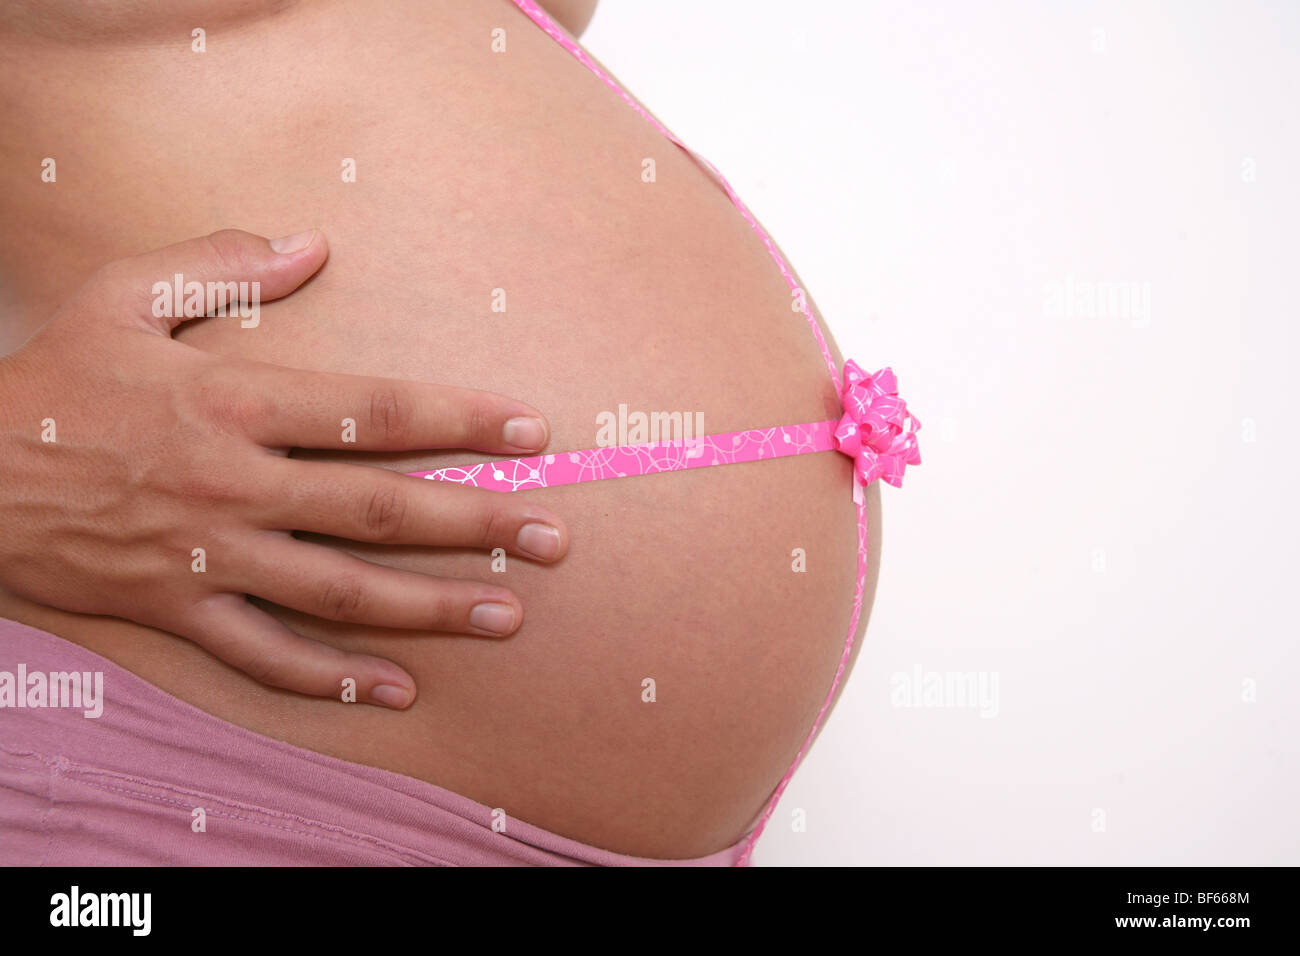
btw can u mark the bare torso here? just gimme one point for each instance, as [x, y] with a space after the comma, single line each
[478, 171]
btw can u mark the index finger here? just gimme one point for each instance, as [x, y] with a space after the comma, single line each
[326, 410]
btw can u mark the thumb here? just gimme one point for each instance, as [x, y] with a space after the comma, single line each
[226, 273]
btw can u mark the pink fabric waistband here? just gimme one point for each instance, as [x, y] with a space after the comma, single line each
[122, 789]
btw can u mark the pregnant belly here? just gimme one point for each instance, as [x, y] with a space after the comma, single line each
[502, 233]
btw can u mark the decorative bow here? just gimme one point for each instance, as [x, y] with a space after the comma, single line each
[873, 430]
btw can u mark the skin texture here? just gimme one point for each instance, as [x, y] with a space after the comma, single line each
[168, 450]
[573, 15]
[479, 171]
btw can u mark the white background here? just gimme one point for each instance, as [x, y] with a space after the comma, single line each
[1105, 519]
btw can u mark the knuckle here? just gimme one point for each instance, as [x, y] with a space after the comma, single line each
[226, 404]
[227, 250]
[263, 668]
[203, 484]
[236, 411]
[343, 599]
[479, 423]
[446, 612]
[390, 413]
[493, 524]
[385, 514]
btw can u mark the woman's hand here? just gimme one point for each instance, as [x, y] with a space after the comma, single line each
[144, 479]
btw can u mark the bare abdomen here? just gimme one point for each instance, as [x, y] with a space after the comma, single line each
[477, 174]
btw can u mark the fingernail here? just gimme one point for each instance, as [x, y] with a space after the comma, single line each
[299, 241]
[397, 698]
[539, 540]
[525, 432]
[497, 618]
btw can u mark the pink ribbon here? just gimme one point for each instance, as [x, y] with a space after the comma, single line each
[874, 429]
